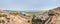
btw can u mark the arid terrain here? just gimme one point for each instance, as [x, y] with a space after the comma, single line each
[47, 17]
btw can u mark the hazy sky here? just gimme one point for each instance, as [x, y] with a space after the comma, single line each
[29, 4]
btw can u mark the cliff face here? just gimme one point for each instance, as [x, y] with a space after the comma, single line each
[57, 10]
[56, 17]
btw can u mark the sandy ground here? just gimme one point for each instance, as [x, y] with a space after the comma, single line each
[17, 20]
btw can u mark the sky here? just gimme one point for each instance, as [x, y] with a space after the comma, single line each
[29, 4]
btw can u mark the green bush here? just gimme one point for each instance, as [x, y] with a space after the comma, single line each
[34, 21]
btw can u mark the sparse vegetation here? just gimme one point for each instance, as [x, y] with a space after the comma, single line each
[3, 15]
[34, 21]
[14, 13]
